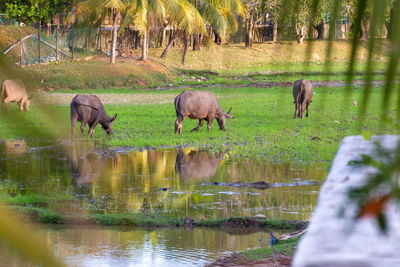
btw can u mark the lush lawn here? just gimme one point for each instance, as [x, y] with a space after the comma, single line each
[263, 125]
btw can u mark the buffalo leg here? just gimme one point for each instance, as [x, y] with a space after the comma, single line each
[295, 110]
[301, 108]
[91, 132]
[5, 101]
[308, 105]
[83, 127]
[92, 127]
[178, 125]
[74, 118]
[209, 123]
[73, 123]
[4, 106]
[198, 126]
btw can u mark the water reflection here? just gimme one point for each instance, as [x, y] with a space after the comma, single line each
[138, 247]
[167, 181]
[196, 164]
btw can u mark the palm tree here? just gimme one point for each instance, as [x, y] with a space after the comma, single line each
[144, 14]
[222, 15]
[94, 11]
[186, 20]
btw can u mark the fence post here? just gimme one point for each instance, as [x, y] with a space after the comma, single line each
[20, 47]
[87, 42]
[100, 40]
[39, 42]
[72, 36]
[57, 43]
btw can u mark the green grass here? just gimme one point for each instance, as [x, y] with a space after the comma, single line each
[288, 247]
[263, 124]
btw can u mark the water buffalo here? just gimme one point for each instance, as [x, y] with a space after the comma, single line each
[15, 91]
[88, 109]
[302, 94]
[201, 106]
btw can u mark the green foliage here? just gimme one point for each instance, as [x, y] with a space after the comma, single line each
[47, 216]
[28, 200]
[28, 11]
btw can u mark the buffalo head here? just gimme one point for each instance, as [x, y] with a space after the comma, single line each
[107, 125]
[222, 117]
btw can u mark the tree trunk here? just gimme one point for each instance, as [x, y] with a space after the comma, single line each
[185, 47]
[163, 42]
[137, 39]
[320, 30]
[249, 31]
[196, 42]
[275, 32]
[299, 33]
[364, 30]
[145, 45]
[114, 36]
[171, 41]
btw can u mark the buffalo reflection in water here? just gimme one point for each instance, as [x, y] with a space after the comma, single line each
[87, 164]
[197, 164]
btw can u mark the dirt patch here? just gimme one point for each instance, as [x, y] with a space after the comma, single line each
[241, 222]
[267, 85]
[139, 99]
[236, 259]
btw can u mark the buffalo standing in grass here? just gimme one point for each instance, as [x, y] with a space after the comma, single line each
[201, 106]
[302, 94]
[15, 91]
[88, 109]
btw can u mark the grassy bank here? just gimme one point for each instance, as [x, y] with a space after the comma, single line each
[94, 73]
[228, 64]
[287, 247]
[45, 215]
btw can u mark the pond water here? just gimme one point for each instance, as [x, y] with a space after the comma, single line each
[178, 182]
[138, 247]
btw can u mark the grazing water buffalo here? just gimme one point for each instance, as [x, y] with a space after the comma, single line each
[88, 109]
[302, 94]
[15, 91]
[201, 106]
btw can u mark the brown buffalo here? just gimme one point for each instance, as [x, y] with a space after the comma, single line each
[198, 165]
[201, 106]
[88, 109]
[14, 91]
[302, 94]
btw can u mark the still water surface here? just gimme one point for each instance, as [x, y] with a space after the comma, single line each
[176, 182]
[138, 247]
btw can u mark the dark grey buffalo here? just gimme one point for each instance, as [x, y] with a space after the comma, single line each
[88, 109]
[302, 94]
[201, 106]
